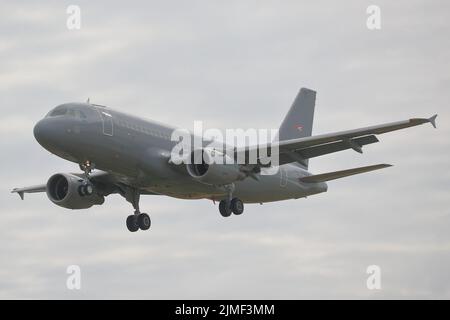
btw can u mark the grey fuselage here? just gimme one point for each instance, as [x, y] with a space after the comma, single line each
[137, 152]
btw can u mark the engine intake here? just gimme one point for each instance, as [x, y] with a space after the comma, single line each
[69, 191]
[213, 167]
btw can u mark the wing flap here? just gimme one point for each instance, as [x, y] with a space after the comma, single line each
[320, 150]
[341, 174]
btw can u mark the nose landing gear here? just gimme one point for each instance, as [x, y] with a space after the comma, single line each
[85, 189]
[87, 166]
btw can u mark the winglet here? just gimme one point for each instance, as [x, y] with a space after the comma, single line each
[20, 193]
[432, 120]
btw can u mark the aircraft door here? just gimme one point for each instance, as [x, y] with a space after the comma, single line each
[107, 122]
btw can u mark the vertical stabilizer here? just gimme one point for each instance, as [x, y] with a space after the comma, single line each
[298, 122]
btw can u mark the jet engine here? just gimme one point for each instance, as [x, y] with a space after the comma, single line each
[72, 192]
[213, 167]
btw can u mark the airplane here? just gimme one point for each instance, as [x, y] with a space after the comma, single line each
[123, 154]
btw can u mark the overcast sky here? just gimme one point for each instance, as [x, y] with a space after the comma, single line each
[233, 64]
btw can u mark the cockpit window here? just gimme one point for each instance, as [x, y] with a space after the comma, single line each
[58, 112]
[76, 113]
[61, 111]
[82, 115]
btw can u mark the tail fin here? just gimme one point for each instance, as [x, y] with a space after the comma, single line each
[298, 122]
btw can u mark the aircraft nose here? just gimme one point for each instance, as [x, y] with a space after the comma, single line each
[42, 132]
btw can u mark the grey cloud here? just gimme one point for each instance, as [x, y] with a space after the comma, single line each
[235, 64]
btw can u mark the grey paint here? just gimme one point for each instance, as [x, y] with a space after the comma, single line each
[138, 154]
[298, 122]
[135, 153]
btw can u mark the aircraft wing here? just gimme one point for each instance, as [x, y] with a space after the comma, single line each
[104, 181]
[298, 150]
[33, 189]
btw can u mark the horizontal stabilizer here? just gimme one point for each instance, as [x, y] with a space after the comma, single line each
[341, 174]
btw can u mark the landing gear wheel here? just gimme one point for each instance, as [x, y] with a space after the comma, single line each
[224, 208]
[85, 190]
[81, 191]
[237, 206]
[132, 223]
[143, 221]
[88, 189]
[138, 220]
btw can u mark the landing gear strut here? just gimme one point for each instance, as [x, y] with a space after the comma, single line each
[137, 220]
[86, 189]
[87, 166]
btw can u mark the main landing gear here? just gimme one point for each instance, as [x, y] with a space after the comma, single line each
[226, 207]
[231, 205]
[137, 220]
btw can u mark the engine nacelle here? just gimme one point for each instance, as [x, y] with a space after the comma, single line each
[214, 167]
[65, 190]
